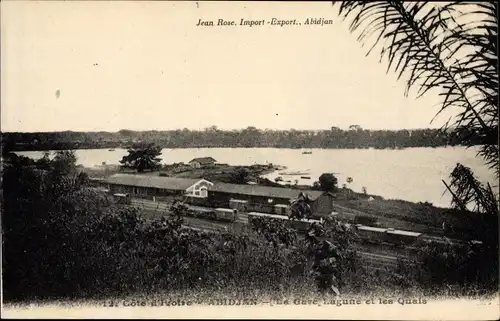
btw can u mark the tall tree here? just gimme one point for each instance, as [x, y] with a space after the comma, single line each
[64, 161]
[450, 48]
[240, 175]
[328, 182]
[142, 157]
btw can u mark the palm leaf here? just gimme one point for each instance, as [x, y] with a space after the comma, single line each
[445, 47]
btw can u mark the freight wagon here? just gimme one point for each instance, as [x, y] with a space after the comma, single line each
[226, 214]
[368, 234]
[300, 225]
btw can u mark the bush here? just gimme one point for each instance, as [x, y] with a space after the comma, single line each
[451, 269]
[80, 245]
[64, 240]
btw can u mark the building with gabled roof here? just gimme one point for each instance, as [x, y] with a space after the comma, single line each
[244, 197]
[147, 185]
[202, 162]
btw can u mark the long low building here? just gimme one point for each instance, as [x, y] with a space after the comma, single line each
[157, 186]
[243, 197]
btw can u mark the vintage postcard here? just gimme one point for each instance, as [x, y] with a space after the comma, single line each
[212, 159]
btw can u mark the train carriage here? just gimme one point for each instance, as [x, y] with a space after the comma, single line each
[300, 225]
[369, 234]
[226, 214]
[401, 238]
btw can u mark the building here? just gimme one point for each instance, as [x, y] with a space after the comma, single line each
[323, 204]
[202, 162]
[255, 198]
[157, 187]
[242, 197]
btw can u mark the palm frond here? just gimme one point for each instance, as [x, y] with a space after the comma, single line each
[447, 47]
[467, 190]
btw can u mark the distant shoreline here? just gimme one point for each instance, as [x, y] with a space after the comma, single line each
[55, 148]
[251, 137]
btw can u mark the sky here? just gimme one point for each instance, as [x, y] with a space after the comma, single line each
[92, 66]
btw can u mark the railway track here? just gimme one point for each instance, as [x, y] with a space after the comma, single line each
[349, 213]
[376, 258]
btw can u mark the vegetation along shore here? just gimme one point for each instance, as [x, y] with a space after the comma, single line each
[354, 137]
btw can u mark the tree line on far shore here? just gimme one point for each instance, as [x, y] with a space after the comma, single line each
[354, 137]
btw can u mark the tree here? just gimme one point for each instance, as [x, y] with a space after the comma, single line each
[328, 182]
[64, 161]
[45, 210]
[241, 175]
[301, 207]
[142, 157]
[334, 257]
[449, 48]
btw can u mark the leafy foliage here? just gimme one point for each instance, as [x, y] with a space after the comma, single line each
[142, 157]
[80, 244]
[326, 138]
[241, 176]
[301, 207]
[328, 182]
[467, 190]
[331, 245]
[64, 161]
[458, 268]
[328, 248]
[274, 231]
[448, 47]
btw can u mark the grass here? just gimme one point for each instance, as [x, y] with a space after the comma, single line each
[418, 217]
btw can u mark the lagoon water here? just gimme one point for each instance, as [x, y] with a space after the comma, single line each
[412, 174]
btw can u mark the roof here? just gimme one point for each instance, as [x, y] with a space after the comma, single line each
[220, 209]
[200, 208]
[258, 214]
[372, 229]
[171, 183]
[238, 201]
[405, 233]
[280, 217]
[203, 160]
[260, 190]
[387, 230]
[174, 183]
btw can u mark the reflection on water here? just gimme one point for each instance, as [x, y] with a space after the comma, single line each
[412, 174]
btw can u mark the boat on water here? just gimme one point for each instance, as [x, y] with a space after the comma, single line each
[111, 150]
[307, 152]
[305, 177]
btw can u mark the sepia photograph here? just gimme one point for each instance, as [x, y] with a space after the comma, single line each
[217, 159]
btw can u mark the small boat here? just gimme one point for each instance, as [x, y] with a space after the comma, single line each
[111, 150]
[307, 152]
[305, 177]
